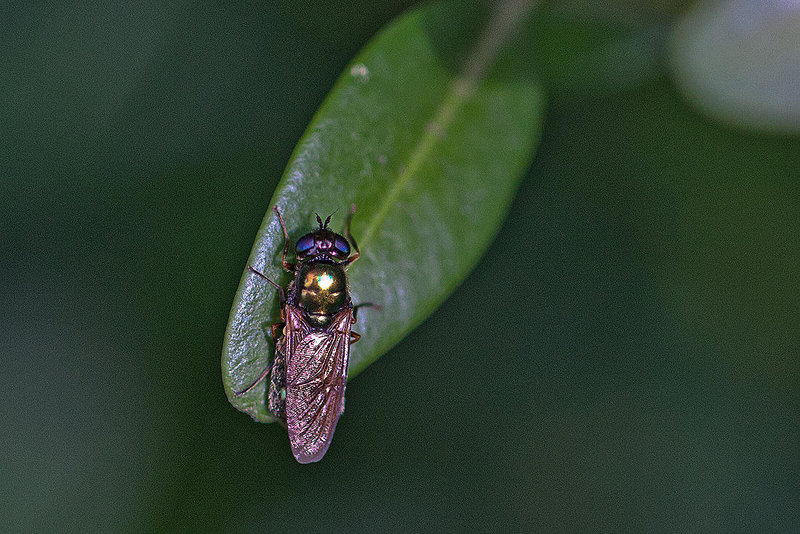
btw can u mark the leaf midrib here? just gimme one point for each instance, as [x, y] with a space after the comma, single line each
[505, 19]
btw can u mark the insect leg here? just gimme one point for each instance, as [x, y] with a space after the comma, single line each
[274, 329]
[354, 337]
[365, 305]
[350, 237]
[286, 265]
[265, 277]
[254, 384]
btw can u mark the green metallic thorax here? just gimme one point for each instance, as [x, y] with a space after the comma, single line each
[321, 292]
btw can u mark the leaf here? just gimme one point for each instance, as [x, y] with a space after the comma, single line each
[428, 132]
[739, 61]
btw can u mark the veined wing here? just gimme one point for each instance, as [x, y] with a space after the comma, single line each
[294, 330]
[316, 377]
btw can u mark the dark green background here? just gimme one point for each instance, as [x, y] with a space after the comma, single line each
[625, 357]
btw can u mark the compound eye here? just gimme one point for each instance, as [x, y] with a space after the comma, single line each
[342, 246]
[305, 244]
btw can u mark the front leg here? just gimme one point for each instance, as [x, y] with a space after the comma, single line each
[289, 267]
[350, 237]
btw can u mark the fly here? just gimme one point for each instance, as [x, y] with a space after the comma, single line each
[308, 374]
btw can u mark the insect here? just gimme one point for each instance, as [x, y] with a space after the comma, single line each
[308, 374]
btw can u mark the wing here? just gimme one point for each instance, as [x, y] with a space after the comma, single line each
[294, 330]
[316, 377]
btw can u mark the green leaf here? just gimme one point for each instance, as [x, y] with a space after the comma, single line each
[428, 131]
[739, 61]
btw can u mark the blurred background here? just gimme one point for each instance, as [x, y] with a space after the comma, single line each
[624, 358]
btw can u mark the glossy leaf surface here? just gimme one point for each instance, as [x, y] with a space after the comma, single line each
[428, 132]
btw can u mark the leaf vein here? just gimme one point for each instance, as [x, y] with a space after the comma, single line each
[506, 18]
